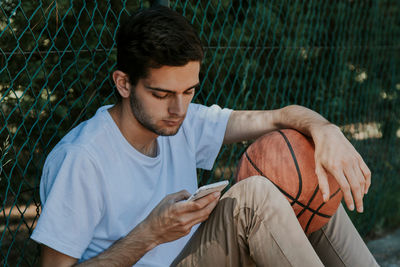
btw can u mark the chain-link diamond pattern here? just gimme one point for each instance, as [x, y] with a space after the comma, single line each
[340, 58]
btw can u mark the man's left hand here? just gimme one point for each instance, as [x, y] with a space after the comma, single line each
[336, 155]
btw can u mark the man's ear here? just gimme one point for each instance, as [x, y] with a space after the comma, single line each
[121, 80]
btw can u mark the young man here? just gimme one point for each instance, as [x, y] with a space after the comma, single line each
[113, 188]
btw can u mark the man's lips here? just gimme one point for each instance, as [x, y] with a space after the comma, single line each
[173, 122]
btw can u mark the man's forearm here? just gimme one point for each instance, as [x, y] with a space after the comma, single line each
[126, 251]
[300, 118]
[248, 125]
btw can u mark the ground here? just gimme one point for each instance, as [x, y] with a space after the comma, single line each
[387, 249]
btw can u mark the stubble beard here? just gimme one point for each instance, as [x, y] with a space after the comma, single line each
[146, 120]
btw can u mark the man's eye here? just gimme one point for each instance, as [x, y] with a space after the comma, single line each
[189, 92]
[160, 96]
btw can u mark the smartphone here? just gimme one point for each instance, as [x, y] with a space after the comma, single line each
[208, 189]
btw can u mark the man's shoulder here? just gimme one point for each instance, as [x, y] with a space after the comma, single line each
[203, 112]
[197, 109]
[194, 107]
[84, 137]
[88, 131]
[200, 117]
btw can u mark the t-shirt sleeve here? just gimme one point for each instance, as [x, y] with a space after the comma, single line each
[70, 192]
[207, 126]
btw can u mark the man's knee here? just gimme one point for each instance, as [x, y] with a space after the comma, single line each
[254, 184]
[257, 190]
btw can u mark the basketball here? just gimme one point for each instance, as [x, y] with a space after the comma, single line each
[286, 158]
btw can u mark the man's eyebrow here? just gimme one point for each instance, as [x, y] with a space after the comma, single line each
[169, 91]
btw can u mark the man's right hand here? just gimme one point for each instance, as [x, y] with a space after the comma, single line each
[173, 218]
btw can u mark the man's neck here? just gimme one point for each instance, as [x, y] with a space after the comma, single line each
[139, 137]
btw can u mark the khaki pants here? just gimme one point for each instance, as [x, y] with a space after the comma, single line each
[254, 225]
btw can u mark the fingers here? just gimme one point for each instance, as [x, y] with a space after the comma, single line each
[351, 182]
[196, 213]
[357, 183]
[198, 208]
[202, 202]
[367, 174]
[334, 154]
[359, 178]
[173, 218]
[179, 196]
[354, 179]
[204, 213]
[345, 187]
[322, 181]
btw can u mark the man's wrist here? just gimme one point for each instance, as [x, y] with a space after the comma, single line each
[316, 129]
[145, 231]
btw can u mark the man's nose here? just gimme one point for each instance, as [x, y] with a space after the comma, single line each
[177, 107]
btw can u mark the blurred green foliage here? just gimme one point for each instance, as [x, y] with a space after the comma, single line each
[340, 58]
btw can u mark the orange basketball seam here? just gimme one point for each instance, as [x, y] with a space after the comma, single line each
[283, 191]
[307, 207]
[309, 202]
[314, 213]
[296, 164]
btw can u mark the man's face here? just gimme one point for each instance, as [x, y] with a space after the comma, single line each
[160, 101]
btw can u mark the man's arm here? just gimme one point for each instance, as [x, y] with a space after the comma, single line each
[51, 257]
[248, 124]
[333, 152]
[171, 219]
[124, 252]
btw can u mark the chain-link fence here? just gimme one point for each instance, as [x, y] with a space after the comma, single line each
[340, 58]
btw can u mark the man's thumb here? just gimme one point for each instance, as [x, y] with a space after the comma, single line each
[181, 195]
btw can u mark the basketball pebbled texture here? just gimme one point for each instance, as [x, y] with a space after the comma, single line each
[286, 158]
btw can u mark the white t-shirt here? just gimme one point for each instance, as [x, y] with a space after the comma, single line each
[95, 187]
